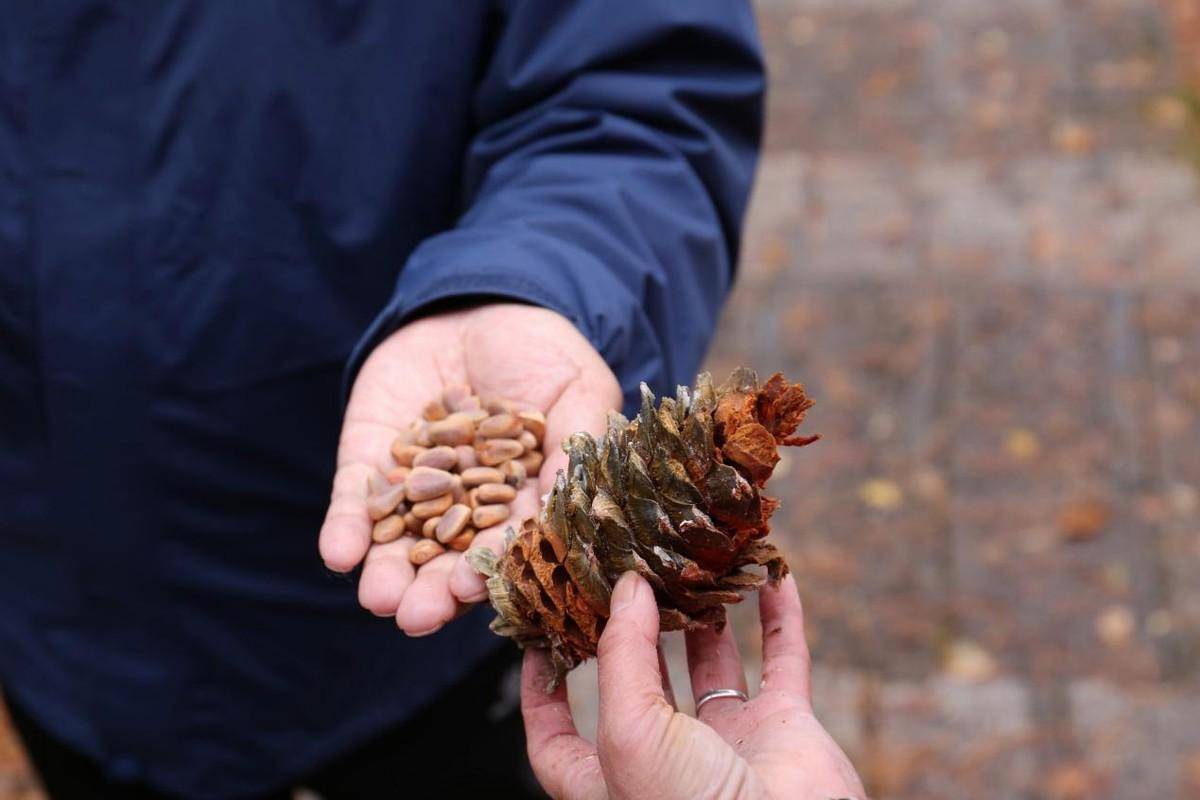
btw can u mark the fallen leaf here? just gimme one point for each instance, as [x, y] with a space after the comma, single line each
[880, 83]
[1082, 520]
[967, 660]
[1168, 113]
[881, 493]
[1073, 138]
[1022, 444]
[1072, 780]
[1115, 626]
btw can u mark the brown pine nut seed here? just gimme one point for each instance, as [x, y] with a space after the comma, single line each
[497, 405]
[496, 493]
[514, 473]
[451, 523]
[478, 475]
[429, 526]
[453, 430]
[463, 540]
[434, 410]
[421, 433]
[532, 462]
[466, 456]
[424, 483]
[398, 474]
[387, 529]
[407, 436]
[489, 515]
[386, 502]
[432, 508]
[473, 498]
[528, 441]
[406, 453]
[534, 422]
[455, 395]
[458, 491]
[476, 415]
[497, 451]
[440, 457]
[424, 551]
[500, 426]
[412, 525]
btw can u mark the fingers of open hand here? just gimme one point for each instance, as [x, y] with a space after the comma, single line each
[786, 660]
[362, 448]
[466, 584]
[715, 663]
[427, 603]
[563, 761]
[583, 406]
[386, 574]
[346, 532]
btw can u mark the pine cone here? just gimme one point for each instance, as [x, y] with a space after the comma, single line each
[673, 495]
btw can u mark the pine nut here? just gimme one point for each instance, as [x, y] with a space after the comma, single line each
[424, 483]
[500, 426]
[479, 475]
[386, 502]
[424, 551]
[488, 515]
[452, 523]
[463, 540]
[497, 451]
[432, 508]
[387, 529]
[496, 493]
[453, 430]
[440, 457]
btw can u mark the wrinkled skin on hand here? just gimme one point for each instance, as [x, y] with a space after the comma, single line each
[523, 353]
[770, 747]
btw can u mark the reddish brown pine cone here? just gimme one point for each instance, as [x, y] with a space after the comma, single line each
[674, 495]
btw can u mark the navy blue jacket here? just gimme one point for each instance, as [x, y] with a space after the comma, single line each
[209, 211]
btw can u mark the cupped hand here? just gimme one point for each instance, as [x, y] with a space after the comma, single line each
[526, 354]
[769, 747]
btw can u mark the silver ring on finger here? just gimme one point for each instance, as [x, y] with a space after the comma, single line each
[714, 694]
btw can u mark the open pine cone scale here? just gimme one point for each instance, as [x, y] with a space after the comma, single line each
[674, 495]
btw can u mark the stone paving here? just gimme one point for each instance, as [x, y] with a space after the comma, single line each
[976, 238]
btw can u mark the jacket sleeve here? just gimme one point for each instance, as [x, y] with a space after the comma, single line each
[615, 150]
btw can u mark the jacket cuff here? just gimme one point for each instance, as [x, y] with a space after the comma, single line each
[584, 294]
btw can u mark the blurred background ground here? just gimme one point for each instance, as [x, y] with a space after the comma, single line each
[976, 239]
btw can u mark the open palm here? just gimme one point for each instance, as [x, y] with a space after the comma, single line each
[529, 355]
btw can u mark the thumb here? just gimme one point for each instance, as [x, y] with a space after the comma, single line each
[631, 688]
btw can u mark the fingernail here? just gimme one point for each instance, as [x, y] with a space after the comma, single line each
[430, 631]
[626, 591]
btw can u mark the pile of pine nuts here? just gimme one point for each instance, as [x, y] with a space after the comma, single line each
[457, 470]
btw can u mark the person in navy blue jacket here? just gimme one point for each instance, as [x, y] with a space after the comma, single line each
[219, 218]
